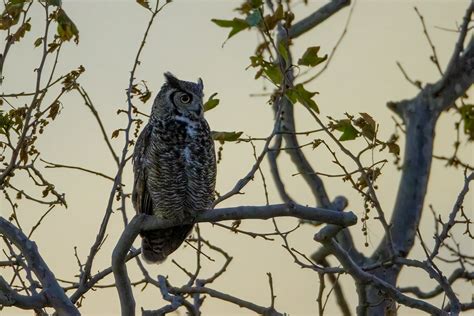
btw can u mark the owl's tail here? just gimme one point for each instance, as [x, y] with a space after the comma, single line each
[158, 244]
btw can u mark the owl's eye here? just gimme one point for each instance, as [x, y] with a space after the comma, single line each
[185, 98]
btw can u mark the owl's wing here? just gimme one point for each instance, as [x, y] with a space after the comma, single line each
[140, 197]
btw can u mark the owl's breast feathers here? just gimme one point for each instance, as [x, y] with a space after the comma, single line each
[175, 162]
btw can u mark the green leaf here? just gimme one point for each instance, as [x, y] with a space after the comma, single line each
[144, 3]
[299, 94]
[254, 18]
[38, 41]
[66, 27]
[273, 73]
[311, 58]
[11, 15]
[5, 123]
[348, 131]
[211, 103]
[237, 25]
[225, 136]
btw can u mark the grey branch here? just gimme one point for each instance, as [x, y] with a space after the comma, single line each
[144, 222]
[460, 43]
[317, 17]
[389, 290]
[420, 115]
[456, 275]
[9, 297]
[452, 217]
[226, 297]
[52, 292]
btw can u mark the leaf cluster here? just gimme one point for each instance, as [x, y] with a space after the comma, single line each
[362, 126]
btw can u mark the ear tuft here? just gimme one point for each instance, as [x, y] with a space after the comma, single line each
[171, 79]
[200, 84]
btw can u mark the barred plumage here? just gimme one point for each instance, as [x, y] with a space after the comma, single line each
[174, 165]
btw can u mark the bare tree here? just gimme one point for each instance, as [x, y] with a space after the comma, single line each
[33, 286]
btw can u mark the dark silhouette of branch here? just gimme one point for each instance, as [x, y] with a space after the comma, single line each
[57, 165]
[420, 115]
[143, 222]
[53, 293]
[459, 273]
[386, 288]
[10, 297]
[228, 298]
[434, 58]
[452, 217]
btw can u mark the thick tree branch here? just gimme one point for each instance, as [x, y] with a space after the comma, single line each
[386, 288]
[317, 17]
[9, 297]
[460, 43]
[143, 222]
[420, 115]
[55, 295]
[298, 158]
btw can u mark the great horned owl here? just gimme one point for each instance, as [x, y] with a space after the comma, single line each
[174, 165]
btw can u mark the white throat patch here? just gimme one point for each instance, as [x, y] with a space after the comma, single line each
[190, 125]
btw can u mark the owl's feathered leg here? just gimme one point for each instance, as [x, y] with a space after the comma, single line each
[158, 244]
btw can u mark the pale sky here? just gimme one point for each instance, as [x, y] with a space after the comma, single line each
[362, 77]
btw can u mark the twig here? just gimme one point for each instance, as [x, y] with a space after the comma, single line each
[434, 57]
[416, 83]
[97, 173]
[333, 51]
[54, 293]
[452, 217]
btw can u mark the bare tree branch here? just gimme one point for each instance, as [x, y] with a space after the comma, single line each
[389, 290]
[52, 291]
[452, 217]
[10, 297]
[317, 17]
[143, 222]
[456, 275]
[97, 173]
[228, 298]
[420, 115]
[123, 157]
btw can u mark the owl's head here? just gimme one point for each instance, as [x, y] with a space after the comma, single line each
[178, 97]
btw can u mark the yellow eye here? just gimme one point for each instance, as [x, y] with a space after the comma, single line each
[185, 98]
